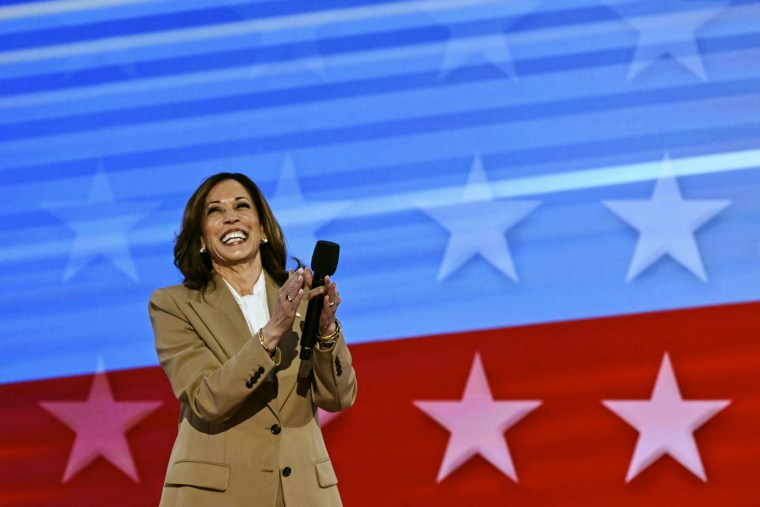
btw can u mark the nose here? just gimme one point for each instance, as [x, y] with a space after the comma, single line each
[231, 216]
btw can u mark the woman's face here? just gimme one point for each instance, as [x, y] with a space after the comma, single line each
[231, 230]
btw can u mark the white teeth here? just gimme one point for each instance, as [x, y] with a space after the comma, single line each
[232, 236]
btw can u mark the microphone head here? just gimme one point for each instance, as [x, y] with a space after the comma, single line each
[324, 260]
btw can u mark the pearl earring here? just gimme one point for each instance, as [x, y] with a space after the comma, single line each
[203, 250]
[264, 240]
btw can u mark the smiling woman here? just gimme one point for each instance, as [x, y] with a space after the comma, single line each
[228, 339]
[232, 234]
[190, 254]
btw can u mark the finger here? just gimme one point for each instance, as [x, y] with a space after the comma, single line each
[316, 292]
[289, 289]
[333, 296]
[308, 277]
[295, 281]
[332, 304]
[286, 286]
[297, 299]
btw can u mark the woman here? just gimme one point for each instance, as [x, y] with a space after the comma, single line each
[228, 339]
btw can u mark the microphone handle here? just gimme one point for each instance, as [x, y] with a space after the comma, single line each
[311, 321]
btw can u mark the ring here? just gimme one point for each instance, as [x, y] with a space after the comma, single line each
[289, 298]
[332, 303]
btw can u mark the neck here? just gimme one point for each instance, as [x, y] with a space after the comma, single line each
[240, 276]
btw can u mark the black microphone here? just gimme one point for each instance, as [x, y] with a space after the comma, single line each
[324, 262]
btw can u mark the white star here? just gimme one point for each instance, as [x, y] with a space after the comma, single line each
[669, 30]
[477, 424]
[101, 225]
[666, 423]
[299, 219]
[468, 40]
[477, 224]
[666, 225]
[100, 424]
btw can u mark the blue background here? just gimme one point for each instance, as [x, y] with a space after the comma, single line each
[362, 122]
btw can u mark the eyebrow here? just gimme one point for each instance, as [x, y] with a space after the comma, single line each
[220, 202]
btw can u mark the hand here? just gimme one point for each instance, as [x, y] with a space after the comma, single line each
[289, 296]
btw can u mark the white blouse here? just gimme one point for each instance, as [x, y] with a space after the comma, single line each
[254, 306]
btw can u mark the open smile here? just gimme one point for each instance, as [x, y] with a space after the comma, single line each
[234, 237]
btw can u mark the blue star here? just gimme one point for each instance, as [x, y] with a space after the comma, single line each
[299, 219]
[101, 225]
[669, 30]
[467, 41]
[477, 224]
[666, 225]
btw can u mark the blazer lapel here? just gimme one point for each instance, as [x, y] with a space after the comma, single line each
[221, 313]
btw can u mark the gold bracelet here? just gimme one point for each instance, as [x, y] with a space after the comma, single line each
[332, 337]
[261, 341]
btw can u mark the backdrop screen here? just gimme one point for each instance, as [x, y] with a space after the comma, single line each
[548, 215]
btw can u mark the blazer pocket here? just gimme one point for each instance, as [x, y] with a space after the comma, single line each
[201, 474]
[325, 473]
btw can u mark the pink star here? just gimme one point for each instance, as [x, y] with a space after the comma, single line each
[666, 423]
[100, 424]
[477, 424]
[325, 417]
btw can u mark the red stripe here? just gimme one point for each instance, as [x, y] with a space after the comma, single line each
[569, 451]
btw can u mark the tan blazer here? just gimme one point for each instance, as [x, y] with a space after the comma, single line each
[246, 421]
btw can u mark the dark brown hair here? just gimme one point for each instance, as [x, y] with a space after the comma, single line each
[196, 266]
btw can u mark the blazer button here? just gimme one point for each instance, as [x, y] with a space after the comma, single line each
[261, 370]
[248, 384]
[275, 429]
[286, 472]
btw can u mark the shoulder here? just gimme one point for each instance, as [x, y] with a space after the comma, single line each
[171, 291]
[173, 295]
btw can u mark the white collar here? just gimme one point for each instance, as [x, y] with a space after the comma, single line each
[259, 290]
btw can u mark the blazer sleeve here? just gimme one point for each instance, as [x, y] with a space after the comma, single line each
[334, 377]
[213, 389]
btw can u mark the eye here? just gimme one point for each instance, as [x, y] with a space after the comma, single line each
[213, 209]
[243, 205]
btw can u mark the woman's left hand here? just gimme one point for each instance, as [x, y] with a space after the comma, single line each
[331, 297]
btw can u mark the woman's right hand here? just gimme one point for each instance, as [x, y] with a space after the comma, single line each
[289, 296]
